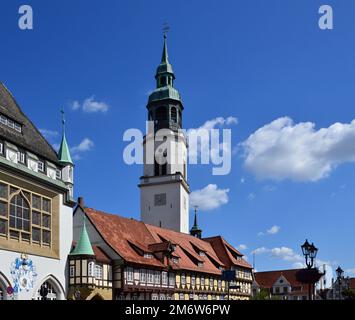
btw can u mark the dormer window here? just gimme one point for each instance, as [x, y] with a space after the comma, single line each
[148, 256]
[58, 174]
[21, 157]
[202, 254]
[175, 260]
[40, 166]
[200, 264]
[10, 123]
[2, 149]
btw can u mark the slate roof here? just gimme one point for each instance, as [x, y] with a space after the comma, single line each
[131, 239]
[30, 138]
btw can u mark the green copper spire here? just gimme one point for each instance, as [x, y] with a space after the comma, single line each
[83, 247]
[165, 68]
[64, 153]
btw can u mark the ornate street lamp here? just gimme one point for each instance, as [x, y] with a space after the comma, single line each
[340, 275]
[310, 275]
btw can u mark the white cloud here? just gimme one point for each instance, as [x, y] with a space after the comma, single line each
[209, 198]
[285, 150]
[48, 133]
[350, 271]
[90, 105]
[260, 250]
[203, 146]
[242, 247]
[84, 146]
[273, 230]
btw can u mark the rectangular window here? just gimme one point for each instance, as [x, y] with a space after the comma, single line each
[143, 276]
[21, 157]
[157, 277]
[202, 281]
[183, 279]
[172, 280]
[2, 148]
[3, 227]
[36, 235]
[219, 284]
[91, 269]
[129, 274]
[11, 124]
[98, 271]
[58, 174]
[72, 271]
[160, 199]
[181, 296]
[46, 237]
[193, 280]
[164, 278]
[40, 166]
[18, 127]
[3, 120]
[150, 276]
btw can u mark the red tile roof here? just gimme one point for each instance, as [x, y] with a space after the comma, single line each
[267, 279]
[131, 238]
[118, 232]
[228, 254]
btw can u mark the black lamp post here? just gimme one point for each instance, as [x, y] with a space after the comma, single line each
[310, 253]
[340, 275]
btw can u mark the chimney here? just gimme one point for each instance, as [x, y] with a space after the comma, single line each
[81, 202]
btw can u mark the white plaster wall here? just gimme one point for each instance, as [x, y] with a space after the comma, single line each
[45, 267]
[173, 215]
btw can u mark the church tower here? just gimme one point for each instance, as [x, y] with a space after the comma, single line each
[164, 188]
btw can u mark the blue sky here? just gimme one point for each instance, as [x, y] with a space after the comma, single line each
[255, 60]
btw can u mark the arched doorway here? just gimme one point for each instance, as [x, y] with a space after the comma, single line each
[52, 288]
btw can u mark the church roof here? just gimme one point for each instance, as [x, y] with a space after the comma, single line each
[30, 138]
[131, 239]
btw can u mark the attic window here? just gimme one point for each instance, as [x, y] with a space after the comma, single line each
[200, 264]
[148, 256]
[175, 260]
[202, 254]
[10, 123]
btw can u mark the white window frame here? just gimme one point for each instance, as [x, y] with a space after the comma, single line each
[164, 278]
[40, 166]
[150, 277]
[202, 281]
[21, 157]
[18, 127]
[143, 276]
[58, 174]
[98, 272]
[71, 271]
[157, 277]
[130, 274]
[1, 148]
[3, 119]
[193, 280]
[11, 124]
[91, 269]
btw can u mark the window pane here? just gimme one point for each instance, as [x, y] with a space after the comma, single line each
[46, 237]
[36, 218]
[46, 205]
[25, 236]
[46, 221]
[19, 223]
[26, 214]
[26, 225]
[12, 222]
[27, 195]
[36, 202]
[3, 191]
[14, 234]
[36, 234]
[3, 209]
[3, 227]
[13, 190]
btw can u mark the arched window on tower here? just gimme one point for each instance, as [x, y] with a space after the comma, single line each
[173, 114]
